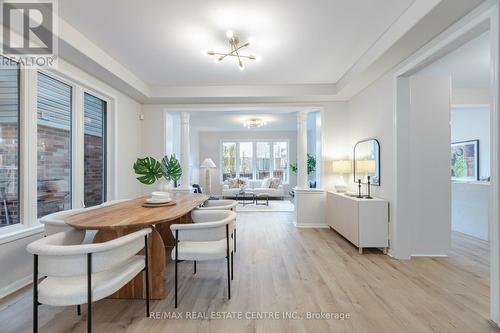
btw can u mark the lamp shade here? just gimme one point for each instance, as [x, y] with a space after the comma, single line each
[342, 166]
[208, 163]
[365, 166]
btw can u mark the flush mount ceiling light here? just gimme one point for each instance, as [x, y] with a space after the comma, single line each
[254, 123]
[235, 48]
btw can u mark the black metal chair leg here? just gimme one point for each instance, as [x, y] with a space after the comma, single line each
[146, 258]
[78, 310]
[232, 265]
[35, 293]
[234, 239]
[89, 292]
[176, 259]
[194, 267]
[228, 265]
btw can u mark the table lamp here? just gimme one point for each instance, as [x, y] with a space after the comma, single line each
[208, 164]
[342, 167]
[365, 166]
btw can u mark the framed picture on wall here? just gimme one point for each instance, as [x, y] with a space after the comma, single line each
[465, 160]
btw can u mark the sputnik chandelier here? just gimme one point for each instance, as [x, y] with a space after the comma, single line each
[235, 48]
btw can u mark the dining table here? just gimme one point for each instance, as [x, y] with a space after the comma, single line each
[126, 217]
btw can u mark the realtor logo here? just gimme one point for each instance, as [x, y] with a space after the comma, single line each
[28, 32]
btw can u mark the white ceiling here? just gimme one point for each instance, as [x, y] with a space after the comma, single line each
[468, 66]
[233, 120]
[299, 41]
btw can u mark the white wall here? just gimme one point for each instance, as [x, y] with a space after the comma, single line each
[336, 142]
[209, 146]
[473, 123]
[429, 160]
[370, 116]
[128, 147]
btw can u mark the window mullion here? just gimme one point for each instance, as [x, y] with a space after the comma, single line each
[254, 160]
[78, 147]
[237, 160]
[271, 156]
[29, 153]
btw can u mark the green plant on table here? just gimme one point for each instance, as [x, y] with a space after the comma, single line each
[148, 169]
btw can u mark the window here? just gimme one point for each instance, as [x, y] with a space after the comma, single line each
[255, 160]
[54, 145]
[263, 156]
[280, 151]
[229, 160]
[94, 162]
[9, 143]
[246, 160]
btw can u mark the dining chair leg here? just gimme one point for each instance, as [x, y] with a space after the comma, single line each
[228, 265]
[78, 310]
[146, 258]
[35, 293]
[89, 292]
[232, 265]
[176, 257]
[194, 267]
[234, 239]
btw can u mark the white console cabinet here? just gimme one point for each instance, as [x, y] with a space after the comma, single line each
[364, 222]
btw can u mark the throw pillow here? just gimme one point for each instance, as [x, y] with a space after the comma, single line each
[232, 183]
[266, 182]
[275, 183]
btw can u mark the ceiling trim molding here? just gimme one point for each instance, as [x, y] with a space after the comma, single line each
[396, 31]
[72, 40]
[416, 27]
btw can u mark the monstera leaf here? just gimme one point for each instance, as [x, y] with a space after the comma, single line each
[171, 168]
[148, 169]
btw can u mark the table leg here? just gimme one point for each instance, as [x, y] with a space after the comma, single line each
[157, 266]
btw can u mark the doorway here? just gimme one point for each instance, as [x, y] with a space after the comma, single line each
[423, 184]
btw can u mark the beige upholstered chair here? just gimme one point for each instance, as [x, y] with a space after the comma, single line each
[55, 222]
[222, 205]
[112, 202]
[208, 238]
[78, 273]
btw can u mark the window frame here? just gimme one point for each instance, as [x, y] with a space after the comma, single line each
[105, 143]
[286, 178]
[29, 223]
[20, 158]
[73, 137]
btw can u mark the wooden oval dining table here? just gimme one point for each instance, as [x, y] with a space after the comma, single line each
[125, 217]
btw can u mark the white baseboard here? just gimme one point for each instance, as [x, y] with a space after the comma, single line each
[15, 286]
[430, 255]
[315, 226]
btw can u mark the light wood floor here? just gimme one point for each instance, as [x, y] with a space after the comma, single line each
[281, 268]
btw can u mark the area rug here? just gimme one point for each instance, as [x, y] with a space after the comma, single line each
[274, 206]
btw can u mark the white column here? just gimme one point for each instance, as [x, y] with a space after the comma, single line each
[185, 150]
[302, 150]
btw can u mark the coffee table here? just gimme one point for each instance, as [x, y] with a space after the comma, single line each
[264, 197]
[245, 197]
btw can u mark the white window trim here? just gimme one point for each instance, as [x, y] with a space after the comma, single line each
[286, 179]
[29, 223]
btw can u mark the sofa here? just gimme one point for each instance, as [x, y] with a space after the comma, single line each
[255, 186]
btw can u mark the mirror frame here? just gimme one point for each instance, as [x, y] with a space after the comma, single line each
[354, 160]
